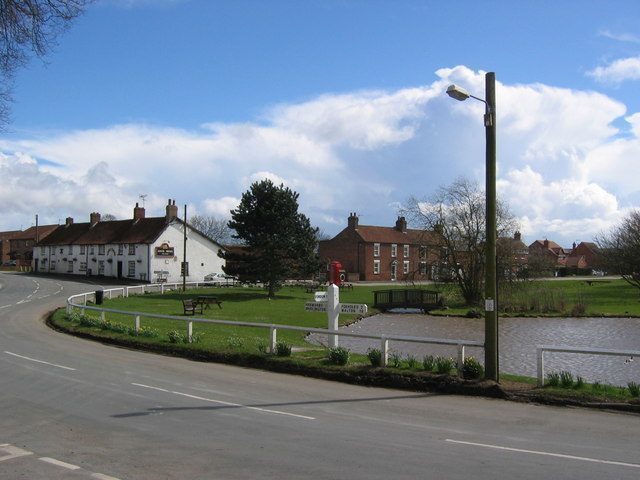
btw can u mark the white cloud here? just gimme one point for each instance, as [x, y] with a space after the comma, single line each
[563, 165]
[620, 37]
[618, 71]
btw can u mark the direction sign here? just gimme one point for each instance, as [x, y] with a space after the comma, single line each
[360, 308]
[315, 306]
[320, 296]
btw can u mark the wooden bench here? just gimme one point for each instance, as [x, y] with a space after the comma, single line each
[190, 305]
[206, 301]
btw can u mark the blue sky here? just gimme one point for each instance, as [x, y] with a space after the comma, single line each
[343, 101]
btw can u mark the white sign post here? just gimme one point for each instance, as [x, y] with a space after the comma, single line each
[333, 313]
[330, 302]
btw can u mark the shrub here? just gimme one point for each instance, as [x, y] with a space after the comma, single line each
[596, 386]
[428, 363]
[145, 332]
[235, 342]
[175, 336]
[283, 349]
[634, 389]
[444, 365]
[566, 379]
[196, 337]
[395, 360]
[473, 313]
[579, 382]
[553, 379]
[472, 369]
[375, 357]
[412, 362]
[339, 355]
[262, 346]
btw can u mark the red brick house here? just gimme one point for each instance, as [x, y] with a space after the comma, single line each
[5, 245]
[582, 257]
[21, 245]
[372, 253]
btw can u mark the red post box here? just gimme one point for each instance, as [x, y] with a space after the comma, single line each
[335, 275]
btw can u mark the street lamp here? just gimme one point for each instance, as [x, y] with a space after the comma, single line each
[490, 284]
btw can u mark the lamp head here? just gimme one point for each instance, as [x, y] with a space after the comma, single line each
[457, 92]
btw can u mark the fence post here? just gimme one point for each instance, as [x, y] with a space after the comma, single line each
[460, 359]
[162, 289]
[190, 331]
[539, 353]
[102, 316]
[142, 289]
[85, 298]
[384, 352]
[136, 325]
[126, 292]
[273, 332]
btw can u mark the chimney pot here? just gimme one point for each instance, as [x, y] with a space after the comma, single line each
[94, 218]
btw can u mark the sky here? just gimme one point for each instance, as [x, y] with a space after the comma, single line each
[343, 101]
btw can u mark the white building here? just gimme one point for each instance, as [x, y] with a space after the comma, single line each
[146, 249]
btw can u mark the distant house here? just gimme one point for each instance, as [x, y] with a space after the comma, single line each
[583, 258]
[513, 252]
[5, 245]
[146, 249]
[373, 253]
[21, 244]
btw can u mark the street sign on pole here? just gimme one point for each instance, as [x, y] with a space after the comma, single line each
[315, 306]
[360, 308]
[320, 296]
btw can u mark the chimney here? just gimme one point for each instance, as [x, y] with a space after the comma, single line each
[138, 212]
[546, 243]
[517, 236]
[574, 245]
[352, 222]
[69, 221]
[401, 224]
[94, 218]
[172, 211]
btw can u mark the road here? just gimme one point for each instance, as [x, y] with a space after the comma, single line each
[71, 408]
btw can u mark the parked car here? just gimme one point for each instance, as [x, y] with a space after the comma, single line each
[215, 278]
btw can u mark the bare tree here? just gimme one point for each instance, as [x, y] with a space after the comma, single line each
[215, 228]
[29, 27]
[620, 249]
[457, 213]
[108, 217]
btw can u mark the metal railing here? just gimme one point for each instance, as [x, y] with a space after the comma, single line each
[273, 328]
[579, 350]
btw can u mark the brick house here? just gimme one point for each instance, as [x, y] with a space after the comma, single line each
[21, 244]
[5, 245]
[147, 249]
[372, 253]
[582, 258]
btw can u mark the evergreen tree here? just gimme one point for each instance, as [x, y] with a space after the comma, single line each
[279, 242]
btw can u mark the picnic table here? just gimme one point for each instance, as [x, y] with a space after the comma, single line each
[190, 306]
[205, 301]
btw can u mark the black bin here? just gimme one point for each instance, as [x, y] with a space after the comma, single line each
[99, 296]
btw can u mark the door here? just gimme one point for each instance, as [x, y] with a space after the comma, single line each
[394, 271]
[119, 269]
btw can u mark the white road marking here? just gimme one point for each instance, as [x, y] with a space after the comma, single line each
[221, 402]
[58, 463]
[39, 361]
[12, 452]
[548, 454]
[102, 476]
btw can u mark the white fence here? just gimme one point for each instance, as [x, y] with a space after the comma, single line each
[72, 303]
[587, 351]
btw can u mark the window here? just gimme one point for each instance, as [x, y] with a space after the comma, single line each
[394, 250]
[423, 268]
[120, 249]
[69, 267]
[83, 266]
[41, 250]
[376, 267]
[83, 249]
[100, 267]
[405, 267]
[423, 252]
[91, 250]
[405, 251]
[101, 249]
[53, 265]
[70, 249]
[132, 249]
[376, 249]
[132, 269]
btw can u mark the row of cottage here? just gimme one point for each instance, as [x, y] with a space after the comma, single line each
[151, 249]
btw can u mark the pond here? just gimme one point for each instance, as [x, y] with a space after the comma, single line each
[518, 338]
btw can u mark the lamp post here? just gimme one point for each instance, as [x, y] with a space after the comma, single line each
[490, 284]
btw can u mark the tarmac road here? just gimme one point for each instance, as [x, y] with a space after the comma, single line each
[71, 408]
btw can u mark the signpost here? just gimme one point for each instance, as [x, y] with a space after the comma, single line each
[330, 302]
